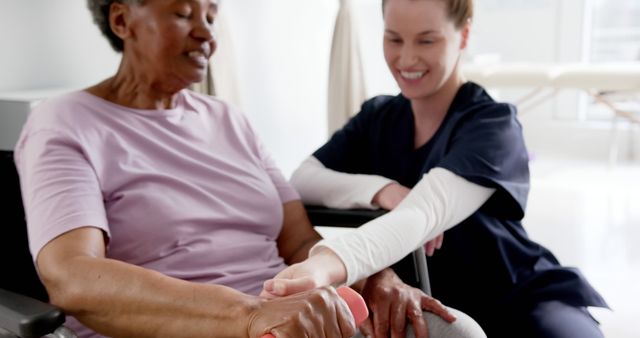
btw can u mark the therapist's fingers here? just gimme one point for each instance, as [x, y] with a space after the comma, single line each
[431, 246]
[440, 240]
[285, 287]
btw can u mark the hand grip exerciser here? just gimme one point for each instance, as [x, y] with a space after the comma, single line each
[354, 301]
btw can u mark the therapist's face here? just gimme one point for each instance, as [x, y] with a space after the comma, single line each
[422, 46]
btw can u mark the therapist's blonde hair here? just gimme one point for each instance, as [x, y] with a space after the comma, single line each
[460, 11]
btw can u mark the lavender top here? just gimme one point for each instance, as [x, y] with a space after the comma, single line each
[189, 192]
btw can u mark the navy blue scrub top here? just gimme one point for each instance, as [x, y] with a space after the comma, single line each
[487, 259]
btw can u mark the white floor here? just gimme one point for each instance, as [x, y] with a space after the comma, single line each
[588, 214]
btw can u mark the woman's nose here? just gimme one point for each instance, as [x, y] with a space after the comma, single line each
[203, 30]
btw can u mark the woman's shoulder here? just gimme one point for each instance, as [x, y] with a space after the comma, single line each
[62, 102]
[473, 97]
[474, 103]
[64, 117]
[61, 112]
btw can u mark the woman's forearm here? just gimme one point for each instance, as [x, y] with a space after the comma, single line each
[122, 300]
[297, 235]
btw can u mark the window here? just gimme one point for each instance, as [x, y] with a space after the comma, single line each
[614, 31]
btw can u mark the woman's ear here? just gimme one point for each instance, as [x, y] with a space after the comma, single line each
[466, 29]
[119, 16]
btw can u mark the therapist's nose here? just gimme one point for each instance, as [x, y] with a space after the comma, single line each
[408, 57]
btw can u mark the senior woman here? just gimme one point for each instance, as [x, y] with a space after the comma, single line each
[153, 210]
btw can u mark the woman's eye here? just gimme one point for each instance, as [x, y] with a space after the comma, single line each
[183, 15]
[426, 42]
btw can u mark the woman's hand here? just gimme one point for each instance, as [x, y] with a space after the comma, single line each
[315, 313]
[392, 302]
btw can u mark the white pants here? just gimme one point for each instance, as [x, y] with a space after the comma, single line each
[463, 327]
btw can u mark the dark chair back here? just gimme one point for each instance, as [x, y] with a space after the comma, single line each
[18, 272]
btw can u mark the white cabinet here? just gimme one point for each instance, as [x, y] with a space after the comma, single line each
[14, 109]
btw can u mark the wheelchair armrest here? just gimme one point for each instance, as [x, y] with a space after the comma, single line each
[27, 317]
[345, 218]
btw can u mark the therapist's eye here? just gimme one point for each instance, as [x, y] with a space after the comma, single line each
[395, 41]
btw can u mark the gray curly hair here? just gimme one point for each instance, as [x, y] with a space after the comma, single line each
[100, 12]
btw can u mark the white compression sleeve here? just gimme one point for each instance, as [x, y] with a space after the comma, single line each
[318, 185]
[439, 201]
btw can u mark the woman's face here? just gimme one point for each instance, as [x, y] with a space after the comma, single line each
[421, 45]
[172, 40]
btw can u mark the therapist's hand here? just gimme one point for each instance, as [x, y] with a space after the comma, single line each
[431, 246]
[394, 303]
[296, 278]
[323, 268]
[390, 196]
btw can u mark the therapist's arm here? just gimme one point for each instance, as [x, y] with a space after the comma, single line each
[318, 185]
[390, 196]
[438, 202]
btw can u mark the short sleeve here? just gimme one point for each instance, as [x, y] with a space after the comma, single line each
[488, 149]
[60, 190]
[286, 192]
[347, 149]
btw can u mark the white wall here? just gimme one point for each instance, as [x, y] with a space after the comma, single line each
[50, 44]
[46, 44]
[283, 55]
[544, 31]
[282, 48]
[541, 31]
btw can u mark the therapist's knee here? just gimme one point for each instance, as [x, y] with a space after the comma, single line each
[463, 327]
